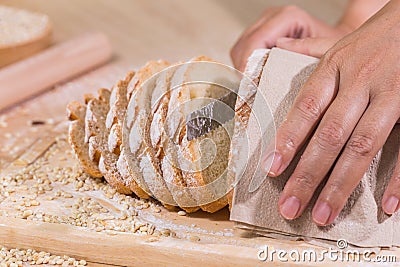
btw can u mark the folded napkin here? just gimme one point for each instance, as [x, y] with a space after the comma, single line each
[362, 222]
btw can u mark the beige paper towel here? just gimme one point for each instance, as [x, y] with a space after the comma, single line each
[361, 223]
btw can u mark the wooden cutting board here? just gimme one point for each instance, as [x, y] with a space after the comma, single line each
[29, 132]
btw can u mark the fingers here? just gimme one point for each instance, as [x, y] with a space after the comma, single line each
[323, 149]
[391, 197]
[275, 23]
[367, 138]
[262, 37]
[307, 110]
[315, 47]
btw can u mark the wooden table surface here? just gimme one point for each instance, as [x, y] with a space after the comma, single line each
[175, 30]
[170, 29]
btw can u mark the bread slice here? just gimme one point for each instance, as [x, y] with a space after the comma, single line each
[244, 102]
[137, 120]
[156, 136]
[96, 134]
[128, 166]
[22, 33]
[114, 123]
[76, 137]
[182, 154]
[210, 154]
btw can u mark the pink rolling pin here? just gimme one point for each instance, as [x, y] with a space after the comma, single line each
[59, 63]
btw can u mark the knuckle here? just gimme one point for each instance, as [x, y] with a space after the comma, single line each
[331, 136]
[305, 182]
[333, 190]
[361, 144]
[309, 108]
[333, 58]
[288, 142]
[368, 68]
[363, 74]
[330, 56]
[392, 86]
[396, 179]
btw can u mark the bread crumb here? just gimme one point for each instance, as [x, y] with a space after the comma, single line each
[156, 209]
[181, 213]
[194, 238]
[36, 122]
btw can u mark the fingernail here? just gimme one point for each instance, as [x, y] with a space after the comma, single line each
[391, 205]
[290, 208]
[322, 213]
[272, 164]
[284, 40]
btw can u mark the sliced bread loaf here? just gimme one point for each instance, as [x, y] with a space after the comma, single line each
[135, 135]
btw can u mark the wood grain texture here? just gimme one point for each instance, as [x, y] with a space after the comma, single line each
[121, 249]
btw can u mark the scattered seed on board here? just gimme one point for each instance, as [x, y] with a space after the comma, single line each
[182, 213]
[194, 238]
[17, 257]
[26, 214]
[156, 209]
[41, 178]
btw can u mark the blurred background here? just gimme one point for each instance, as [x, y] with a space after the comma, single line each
[175, 30]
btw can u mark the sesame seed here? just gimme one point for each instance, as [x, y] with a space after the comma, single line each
[182, 213]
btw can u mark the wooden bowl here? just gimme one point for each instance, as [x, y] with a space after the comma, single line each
[22, 33]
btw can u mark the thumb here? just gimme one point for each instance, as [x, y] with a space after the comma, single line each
[315, 47]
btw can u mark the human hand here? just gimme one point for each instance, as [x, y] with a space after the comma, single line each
[353, 101]
[311, 46]
[279, 23]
